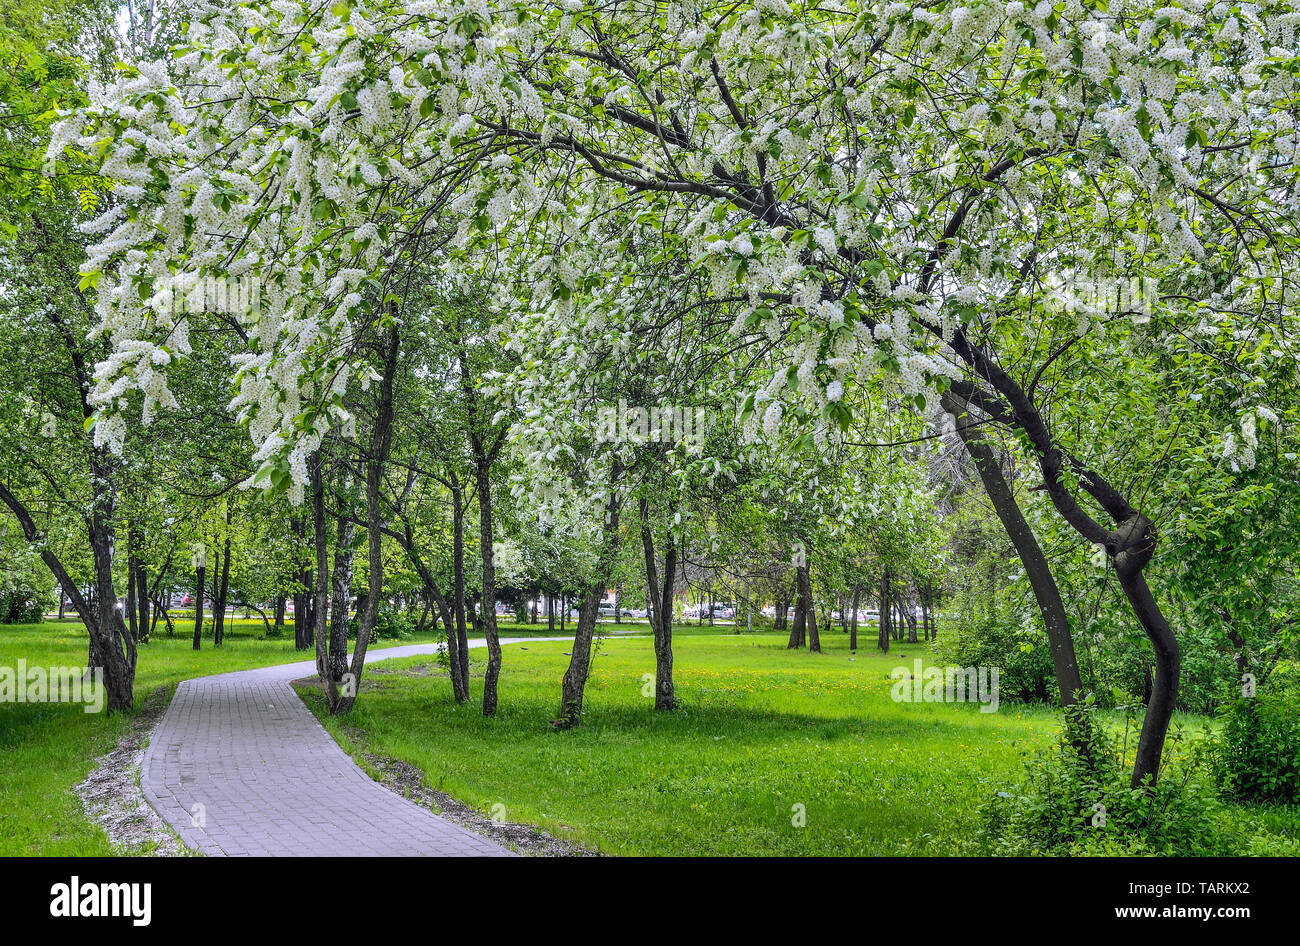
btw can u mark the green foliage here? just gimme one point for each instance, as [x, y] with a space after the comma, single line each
[1117, 663]
[20, 606]
[1019, 649]
[391, 624]
[1077, 803]
[1257, 754]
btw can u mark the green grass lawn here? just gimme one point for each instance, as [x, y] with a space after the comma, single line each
[48, 748]
[761, 730]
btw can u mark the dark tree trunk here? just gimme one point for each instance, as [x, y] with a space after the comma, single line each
[810, 608]
[886, 604]
[131, 585]
[380, 444]
[661, 620]
[302, 596]
[341, 589]
[110, 647]
[575, 678]
[142, 599]
[320, 609]
[223, 591]
[1130, 544]
[1046, 593]
[198, 605]
[488, 601]
[1164, 688]
[911, 620]
[446, 610]
[853, 625]
[160, 607]
[461, 665]
[798, 632]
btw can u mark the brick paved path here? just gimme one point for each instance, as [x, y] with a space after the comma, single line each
[238, 765]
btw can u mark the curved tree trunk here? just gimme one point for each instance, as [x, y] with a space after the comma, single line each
[1046, 592]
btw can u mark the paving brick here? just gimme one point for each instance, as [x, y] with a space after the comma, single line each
[271, 781]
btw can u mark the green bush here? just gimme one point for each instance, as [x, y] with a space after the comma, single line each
[20, 606]
[1208, 673]
[390, 624]
[1075, 803]
[1019, 650]
[1257, 754]
[1116, 661]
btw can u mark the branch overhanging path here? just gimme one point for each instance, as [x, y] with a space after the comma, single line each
[239, 766]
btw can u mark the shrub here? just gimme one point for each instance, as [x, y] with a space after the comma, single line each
[390, 624]
[20, 606]
[1075, 803]
[1257, 754]
[1019, 650]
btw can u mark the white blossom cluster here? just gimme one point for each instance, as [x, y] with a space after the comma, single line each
[795, 162]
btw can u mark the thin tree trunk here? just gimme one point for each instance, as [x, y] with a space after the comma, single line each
[341, 588]
[142, 599]
[131, 585]
[660, 613]
[886, 603]
[380, 445]
[799, 631]
[458, 581]
[853, 626]
[575, 678]
[219, 608]
[488, 601]
[810, 608]
[198, 605]
[320, 609]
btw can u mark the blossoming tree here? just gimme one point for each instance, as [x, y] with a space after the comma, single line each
[888, 187]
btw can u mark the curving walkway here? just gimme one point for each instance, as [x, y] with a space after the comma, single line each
[239, 766]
